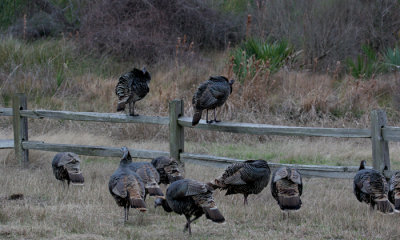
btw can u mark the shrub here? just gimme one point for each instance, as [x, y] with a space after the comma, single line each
[366, 65]
[144, 31]
[328, 30]
[391, 59]
[254, 55]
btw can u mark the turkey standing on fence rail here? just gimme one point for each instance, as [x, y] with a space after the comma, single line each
[394, 191]
[210, 95]
[66, 167]
[191, 198]
[168, 169]
[286, 188]
[132, 87]
[148, 173]
[248, 177]
[126, 186]
[370, 186]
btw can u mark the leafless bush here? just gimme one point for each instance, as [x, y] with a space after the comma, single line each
[138, 29]
[329, 31]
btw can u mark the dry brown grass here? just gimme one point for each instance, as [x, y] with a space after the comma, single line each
[329, 211]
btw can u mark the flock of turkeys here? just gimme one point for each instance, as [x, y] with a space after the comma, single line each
[133, 181]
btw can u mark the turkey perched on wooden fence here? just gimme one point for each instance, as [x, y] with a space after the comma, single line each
[370, 186]
[287, 187]
[211, 94]
[248, 177]
[168, 169]
[148, 173]
[132, 87]
[126, 186]
[394, 191]
[191, 198]
[66, 167]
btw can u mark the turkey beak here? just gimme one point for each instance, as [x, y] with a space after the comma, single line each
[144, 70]
[232, 81]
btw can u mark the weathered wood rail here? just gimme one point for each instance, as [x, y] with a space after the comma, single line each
[379, 134]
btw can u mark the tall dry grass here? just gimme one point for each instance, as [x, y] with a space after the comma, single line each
[48, 211]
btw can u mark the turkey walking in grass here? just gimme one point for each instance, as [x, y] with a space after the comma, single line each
[286, 188]
[211, 94]
[132, 87]
[370, 186]
[394, 191]
[191, 198]
[126, 186]
[66, 167]
[168, 169]
[248, 177]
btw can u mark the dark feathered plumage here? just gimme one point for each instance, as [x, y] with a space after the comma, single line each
[132, 87]
[126, 186]
[287, 187]
[168, 169]
[370, 186]
[394, 191]
[210, 95]
[148, 173]
[191, 198]
[66, 167]
[249, 177]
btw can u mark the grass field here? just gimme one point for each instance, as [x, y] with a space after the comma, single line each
[48, 211]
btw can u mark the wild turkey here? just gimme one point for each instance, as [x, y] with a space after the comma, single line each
[248, 177]
[210, 95]
[371, 187]
[150, 177]
[132, 87]
[168, 169]
[191, 198]
[126, 186]
[394, 191]
[287, 187]
[66, 167]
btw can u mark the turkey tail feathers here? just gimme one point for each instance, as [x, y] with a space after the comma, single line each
[214, 214]
[76, 178]
[155, 192]
[138, 204]
[196, 117]
[289, 203]
[120, 106]
[384, 206]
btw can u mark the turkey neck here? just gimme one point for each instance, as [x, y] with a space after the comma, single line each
[126, 161]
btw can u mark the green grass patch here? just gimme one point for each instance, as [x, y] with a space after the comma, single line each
[239, 151]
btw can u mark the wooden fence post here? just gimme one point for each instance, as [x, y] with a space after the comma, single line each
[380, 147]
[176, 132]
[20, 128]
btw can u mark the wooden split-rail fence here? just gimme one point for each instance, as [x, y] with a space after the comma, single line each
[379, 134]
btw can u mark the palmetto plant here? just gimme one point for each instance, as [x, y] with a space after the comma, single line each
[255, 54]
[366, 65]
[391, 59]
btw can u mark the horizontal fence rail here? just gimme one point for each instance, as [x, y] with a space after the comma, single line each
[306, 170]
[94, 117]
[266, 129]
[7, 112]
[91, 150]
[391, 134]
[5, 144]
